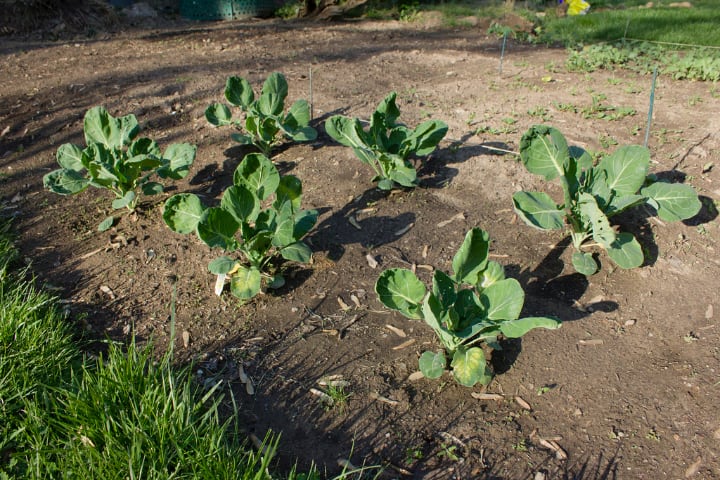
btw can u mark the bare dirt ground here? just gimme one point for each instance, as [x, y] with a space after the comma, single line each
[627, 388]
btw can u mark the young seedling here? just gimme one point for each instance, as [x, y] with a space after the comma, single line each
[265, 123]
[593, 194]
[387, 144]
[475, 304]
[115, 160]
[266, 230]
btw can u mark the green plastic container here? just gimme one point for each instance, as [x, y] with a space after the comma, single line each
[226, 9]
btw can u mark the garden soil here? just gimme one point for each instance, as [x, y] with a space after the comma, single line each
[627, 388]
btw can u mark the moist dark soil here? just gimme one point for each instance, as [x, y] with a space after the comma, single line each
[627, 388]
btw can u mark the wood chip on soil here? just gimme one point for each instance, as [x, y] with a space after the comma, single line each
[487, 396]
[520, 401]
[396, 331]
[404, 344]
[372, 263]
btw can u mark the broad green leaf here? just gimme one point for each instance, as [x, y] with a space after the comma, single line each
[388, 110]
[257, 246]
[443, 288]
[469, 366]
[278, 281]
[183, 212]
[399, 289]
[584, 263]
[217, 228]
[432, 364]
[273, 94]
[518, 328]
[101, 166]
[245, 283]
[472, 256]
[492, 274]
[125, 201]
[152, 188]
[503, 300]
[304, 134]
[544, 151]
[468, 309]
[285, 226]
[673, 201]
[386, 184]
[65, 182]
[106, 224]
[347, 131]
[602, 232]
[583, 160]
[69, 157]
[240, 203]
[242, 139]
[239, 92]
[222, 265]
[425, 137]
[101, 127]
[258, 174]
[218, 114]
[289, 190]
[304, 222]
[144, 146]
[298, 116]
[626, 169]
[620, 204]
[297, 252]
[626, 251]
[398, 170]
[433, 314]
[177, 160]
[538, 210]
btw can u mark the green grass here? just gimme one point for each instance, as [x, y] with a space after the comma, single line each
[611, 21]
[125, 415]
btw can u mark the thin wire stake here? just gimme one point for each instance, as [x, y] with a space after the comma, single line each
[626, 30]
[311, 95]
[650, 110]
[502, 52]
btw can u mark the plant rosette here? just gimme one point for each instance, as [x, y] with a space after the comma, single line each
[265, 124]
[595, 193]
[473, 305]
[387, 144]
[115, 160]
[247, 221]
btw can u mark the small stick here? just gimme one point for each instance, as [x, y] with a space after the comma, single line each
[311, 95]
[499, 149]
[502, 52]
[650, 110]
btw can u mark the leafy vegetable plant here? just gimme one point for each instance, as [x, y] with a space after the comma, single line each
[475, 304]
[387, 144]
[266, 231]
[595, 193]
[265, 122]
[118, 161]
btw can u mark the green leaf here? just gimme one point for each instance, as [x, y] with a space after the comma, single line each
[273, 94]
[258, 174]
[239, 92]
[472, 256]
[443, 288]
[182, 212]
[242, 139]
[673, 201]
[106, 224]
[222, 265]
[469, 366]
[289, 190]
[398, 170]
[544, 151]
[245, 283]
[69, 157]
[298, 117]
[583, 160]
[101, 127]
[347, 131]
[297, 252]
[125, 201]
[152, 188]
[626, 169]
[503, 300]
[241, 203]
[144, 146]
[425, 137]
[386, 184]
[590, 211]
[538, 210]
[492, 274]
[65, 182]
[626, 251]
[584, 263]
[177, 160]
[217, 228]
[304, 134]
[518, 328]
[304, 222]
[285, 225]
[620, 204]
[432, 364]
[218, 114]
[388, 110]
[399, 289]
